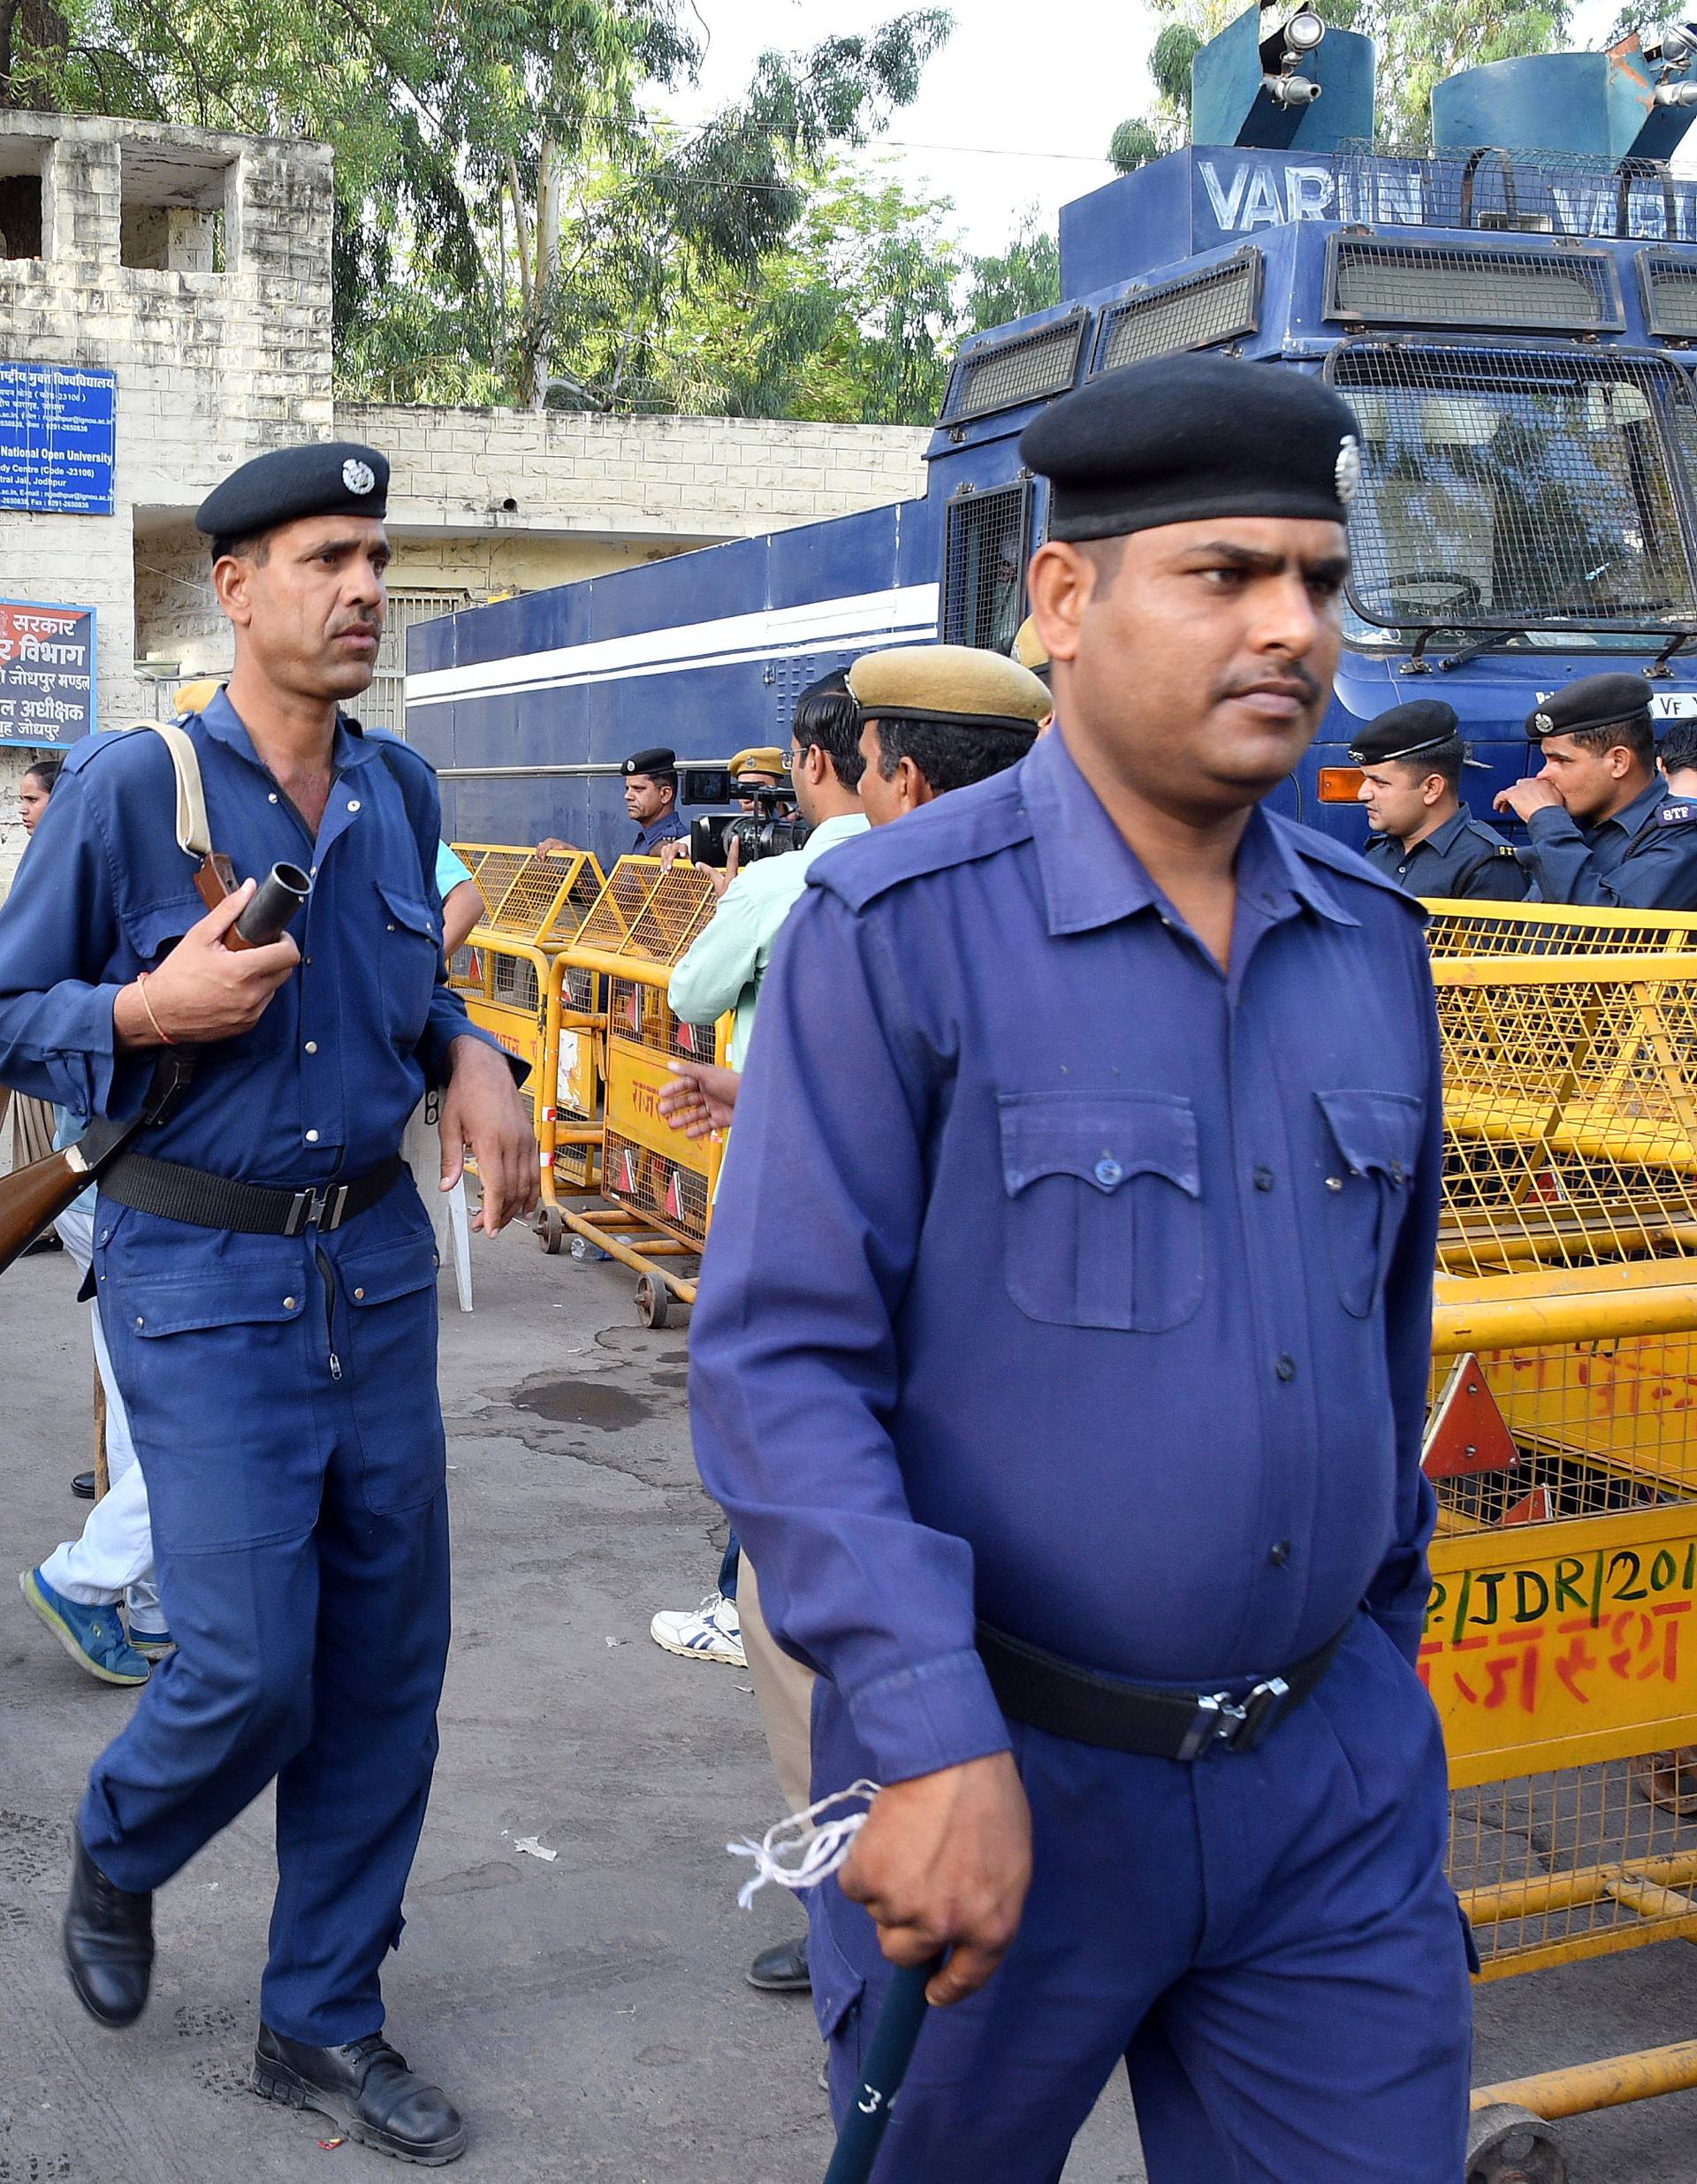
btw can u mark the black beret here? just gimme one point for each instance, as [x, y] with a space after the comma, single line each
[326, 477]
[1593, 702]
[1179, 438]
[1405, 731]
[658, 761]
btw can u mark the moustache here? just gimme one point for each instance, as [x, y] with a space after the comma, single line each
[1302, 680]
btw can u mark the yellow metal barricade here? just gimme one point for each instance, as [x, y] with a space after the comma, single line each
[1561, 1441]
[656, 1184]
[517, 987]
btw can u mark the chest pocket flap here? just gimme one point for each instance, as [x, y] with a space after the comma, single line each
[409, 953]
[1104, 1219]
[410, 911]
[1370, 1142]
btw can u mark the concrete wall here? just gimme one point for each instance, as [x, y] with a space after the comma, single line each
[687, 480]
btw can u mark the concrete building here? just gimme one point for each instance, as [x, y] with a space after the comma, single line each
[194, 268]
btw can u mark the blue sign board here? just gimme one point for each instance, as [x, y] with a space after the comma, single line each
[46, 673]
[58, 438]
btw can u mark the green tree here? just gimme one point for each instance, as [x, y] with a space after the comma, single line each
[506, 203]
[1014, 282]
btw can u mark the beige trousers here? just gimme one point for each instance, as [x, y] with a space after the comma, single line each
[783, 1691]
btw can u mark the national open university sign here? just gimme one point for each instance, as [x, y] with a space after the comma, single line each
[46, 673]
[58, 426]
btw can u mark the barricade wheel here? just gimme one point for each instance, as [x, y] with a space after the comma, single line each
[1508, 2145]
[653, 1302]
[551, 1226]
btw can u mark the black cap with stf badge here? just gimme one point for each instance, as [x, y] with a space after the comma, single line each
[1593, 702]
[657, 763]
[326, 477]
[1405, 731]
[1179, 438]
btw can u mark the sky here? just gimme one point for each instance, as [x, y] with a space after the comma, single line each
[1005, 119]
[1008, 118]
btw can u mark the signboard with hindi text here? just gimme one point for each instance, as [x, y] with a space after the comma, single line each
[1556, 1645]
[46, 673]
[59, 426]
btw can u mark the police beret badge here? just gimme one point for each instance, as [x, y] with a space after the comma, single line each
[1541, 724]
[359, 477]
[1347, 471]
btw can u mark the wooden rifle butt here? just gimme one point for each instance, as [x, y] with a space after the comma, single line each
[33, 1197]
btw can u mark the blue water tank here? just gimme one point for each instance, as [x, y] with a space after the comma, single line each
[1230, 103]
[1602, 105]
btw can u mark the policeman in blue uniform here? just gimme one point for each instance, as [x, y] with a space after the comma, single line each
[267, 1276]
[652, 799]
[1424, 837]
[1603, 826]
[1069, 1389]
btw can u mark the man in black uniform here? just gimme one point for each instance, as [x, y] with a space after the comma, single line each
[1424, 837]
[1603, 826]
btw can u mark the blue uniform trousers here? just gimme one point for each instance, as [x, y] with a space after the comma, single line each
[301, 1528]
[1267, 1938]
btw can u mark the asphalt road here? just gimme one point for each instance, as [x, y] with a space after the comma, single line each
[589, 2012]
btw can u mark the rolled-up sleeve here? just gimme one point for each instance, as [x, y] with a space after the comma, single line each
[58, 938]
[794, 1351]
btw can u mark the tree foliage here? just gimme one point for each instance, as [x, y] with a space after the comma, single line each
[513, 219]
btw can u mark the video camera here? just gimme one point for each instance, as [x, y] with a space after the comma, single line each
[773, 830]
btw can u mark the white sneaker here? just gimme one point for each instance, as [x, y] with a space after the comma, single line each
[709, 1632]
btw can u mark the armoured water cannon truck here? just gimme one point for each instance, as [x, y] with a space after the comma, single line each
[1512, 312]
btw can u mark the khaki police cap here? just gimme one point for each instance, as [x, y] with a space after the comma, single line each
[763, 758]
[195, 697]
[1030, 650]
[952, 683]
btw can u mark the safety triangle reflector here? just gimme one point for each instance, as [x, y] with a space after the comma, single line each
[1466, 1432]
[1536, 1508]
[674, 1197]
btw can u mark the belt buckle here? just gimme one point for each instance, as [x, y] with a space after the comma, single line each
[1233, 1724]
[319, 1204]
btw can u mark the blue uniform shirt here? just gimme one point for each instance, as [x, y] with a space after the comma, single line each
[1644, 858]
[1058, 1277]
[323, 1083]
[670, 828]
[1461, 859]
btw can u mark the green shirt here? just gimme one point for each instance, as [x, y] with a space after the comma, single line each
[724, 965]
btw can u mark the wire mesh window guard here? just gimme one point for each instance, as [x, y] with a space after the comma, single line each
[1668, 281]
[1522, 291]
[1023, 368]
[985, 552]
[1219, 304]
[1520, 489]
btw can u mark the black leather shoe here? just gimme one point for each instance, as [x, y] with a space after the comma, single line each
[82, 1485]
[782, 1969]
[108, 1942]
[366, 2088]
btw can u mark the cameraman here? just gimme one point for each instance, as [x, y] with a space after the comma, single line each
[723, 968]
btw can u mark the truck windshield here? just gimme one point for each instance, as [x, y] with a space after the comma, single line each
[1528, 491]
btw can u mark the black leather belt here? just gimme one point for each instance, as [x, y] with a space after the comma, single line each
[178, 1193]
[1049, 1693]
